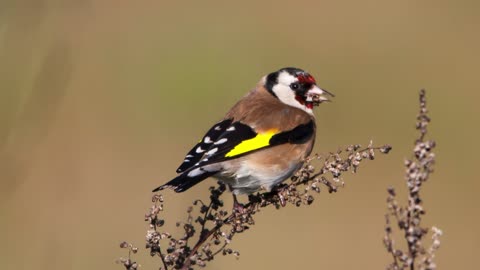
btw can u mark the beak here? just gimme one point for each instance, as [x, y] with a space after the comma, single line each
[318, 94]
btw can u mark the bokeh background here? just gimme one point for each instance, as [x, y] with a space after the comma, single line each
[100, 100]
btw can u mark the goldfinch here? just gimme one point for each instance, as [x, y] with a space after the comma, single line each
[262, 140]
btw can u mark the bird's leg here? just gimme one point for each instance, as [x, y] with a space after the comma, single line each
[279, 190]
[237, 207]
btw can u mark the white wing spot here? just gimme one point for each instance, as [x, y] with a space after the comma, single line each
[199, 150]
[189, 156]
[217, 128]
[211, 152]
[207, 140]
[232, 128]
[186, 160]
[223, 140]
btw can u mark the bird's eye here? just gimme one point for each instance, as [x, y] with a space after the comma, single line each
[294, 86]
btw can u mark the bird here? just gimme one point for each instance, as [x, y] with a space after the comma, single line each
[261, 141]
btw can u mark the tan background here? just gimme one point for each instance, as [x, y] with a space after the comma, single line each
[100, 100]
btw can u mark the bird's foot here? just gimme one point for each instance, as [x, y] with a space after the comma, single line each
[280, 192]
[238, 208]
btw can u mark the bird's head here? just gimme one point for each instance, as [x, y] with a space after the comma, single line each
[296, 88]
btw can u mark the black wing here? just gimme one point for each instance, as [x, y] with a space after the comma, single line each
[199, 149]
[223, 148]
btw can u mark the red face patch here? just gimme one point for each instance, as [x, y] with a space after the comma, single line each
[303, 102]
[305, 78]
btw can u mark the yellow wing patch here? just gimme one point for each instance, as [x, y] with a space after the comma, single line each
[259, 141]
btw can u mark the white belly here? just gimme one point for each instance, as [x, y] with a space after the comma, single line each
[246, 178]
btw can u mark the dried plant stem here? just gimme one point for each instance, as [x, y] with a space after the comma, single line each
[408, 219]
[199, 243]
[162, 257]
[217, 226]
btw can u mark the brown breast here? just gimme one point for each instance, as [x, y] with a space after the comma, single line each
[262, 111]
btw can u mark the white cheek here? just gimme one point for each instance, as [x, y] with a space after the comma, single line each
[285, 94]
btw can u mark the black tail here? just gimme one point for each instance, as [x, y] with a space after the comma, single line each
[184, 182]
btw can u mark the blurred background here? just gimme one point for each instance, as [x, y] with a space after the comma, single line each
[100, 100]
